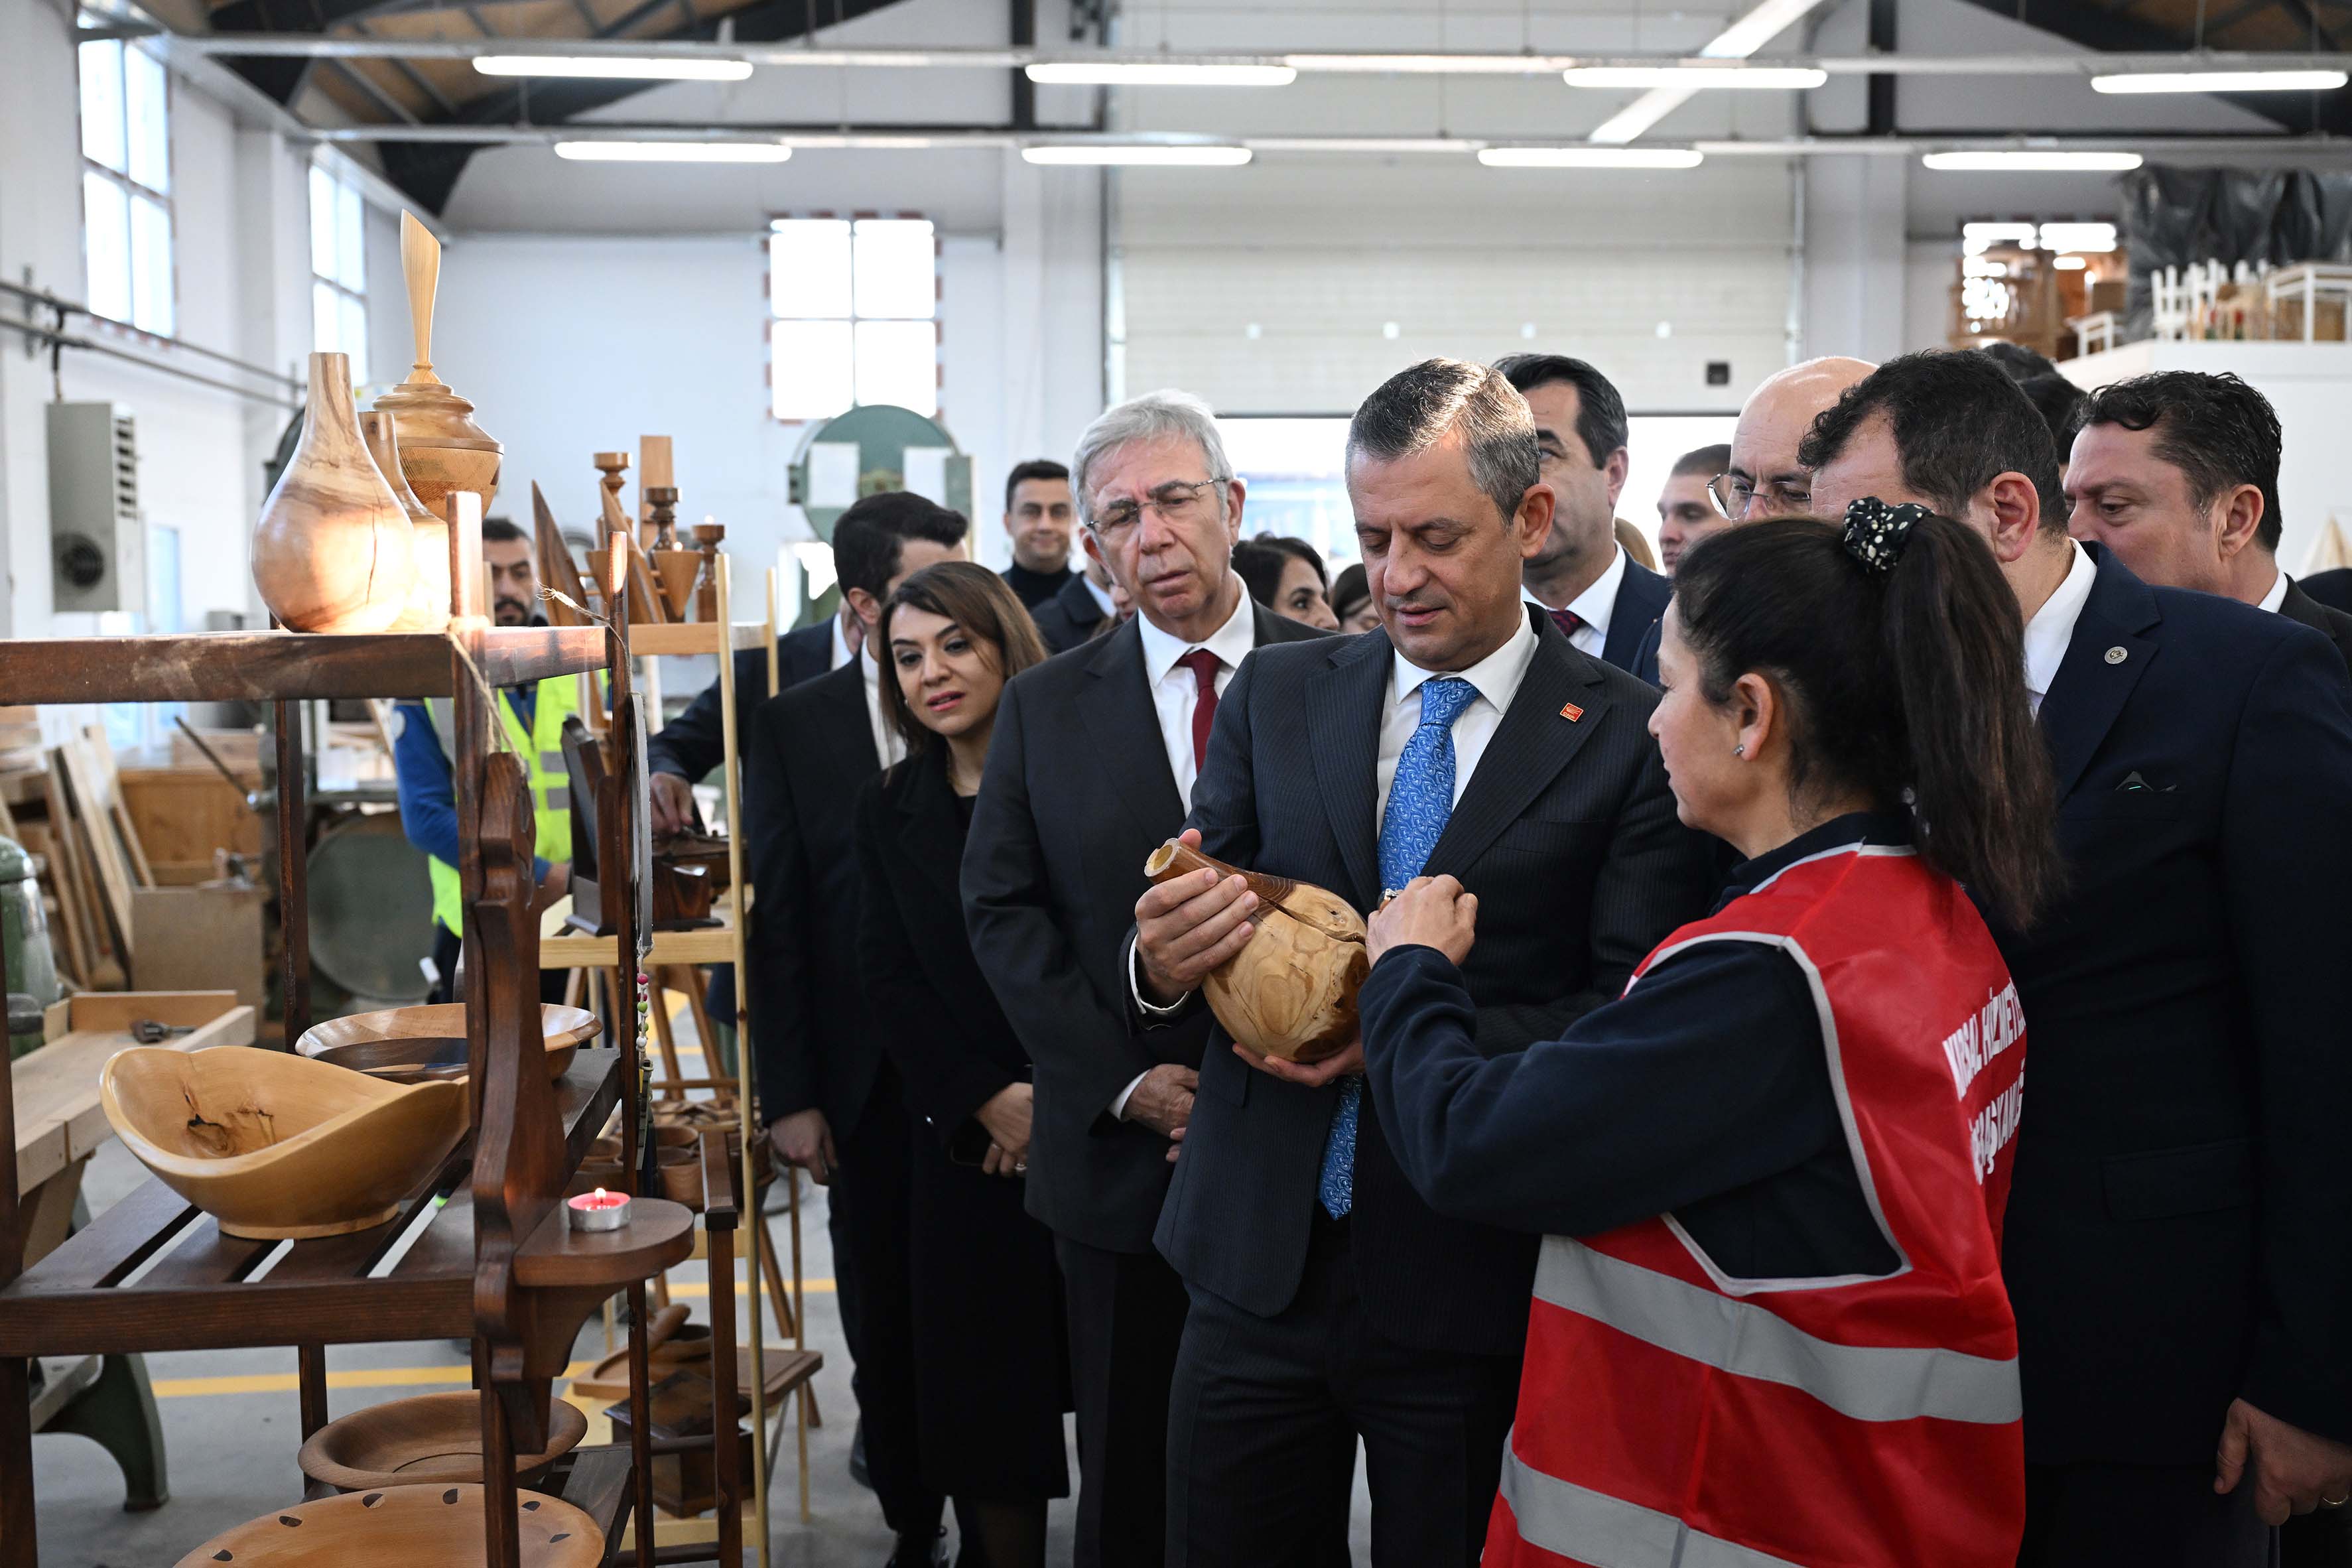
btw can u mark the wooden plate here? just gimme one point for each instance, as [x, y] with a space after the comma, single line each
[566, 1028]
[433, 1438]
[401, 1527]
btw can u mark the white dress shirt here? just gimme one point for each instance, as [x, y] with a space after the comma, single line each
[1593, 607]
[888, 744]
[1101, 594]
[840, 654]
[2053, 625]
[1175, 693]
[2276, 596]
[1497, 677]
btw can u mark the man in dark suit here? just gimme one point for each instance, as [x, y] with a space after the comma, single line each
[1602, 599]
[2177, 473]
[2173, 1244]
[1090, 770]
[1081, 610]
[1038, 520]
[828, 1095]
[1467, 736]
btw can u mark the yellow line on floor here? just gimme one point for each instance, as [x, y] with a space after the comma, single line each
[698, 1288]
[372, 1377]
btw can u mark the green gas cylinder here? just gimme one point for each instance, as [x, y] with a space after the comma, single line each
[25, 929]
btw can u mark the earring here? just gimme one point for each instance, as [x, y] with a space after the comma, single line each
[1741, 750]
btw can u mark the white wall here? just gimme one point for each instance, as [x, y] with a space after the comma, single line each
[235, 238]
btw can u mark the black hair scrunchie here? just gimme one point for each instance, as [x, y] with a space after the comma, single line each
[1876, 533]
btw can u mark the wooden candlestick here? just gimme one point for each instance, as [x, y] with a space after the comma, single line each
[706, 584]
[1290, 992]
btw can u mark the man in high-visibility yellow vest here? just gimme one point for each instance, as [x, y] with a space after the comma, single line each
[533, 717]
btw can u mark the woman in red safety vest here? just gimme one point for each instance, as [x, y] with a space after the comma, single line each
[1769, 1325]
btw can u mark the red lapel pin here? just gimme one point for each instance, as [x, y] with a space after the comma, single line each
[1571, 711]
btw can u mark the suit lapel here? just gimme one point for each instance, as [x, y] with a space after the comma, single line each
[1344, 701]
[1535, 742]
[2093, 684]
[1116, 708]
[1641, 596]
[848, 738]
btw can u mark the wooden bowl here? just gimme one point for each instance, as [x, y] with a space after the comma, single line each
[410, 1526]
[566, 1028]
[273, 1145]
[1290, 992]
[433, 1438]
[406, 1059]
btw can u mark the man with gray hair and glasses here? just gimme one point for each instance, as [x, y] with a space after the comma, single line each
[1468, 736]
[1091, 767]
[1764, 479]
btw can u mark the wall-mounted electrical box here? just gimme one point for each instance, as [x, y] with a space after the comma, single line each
[98, 538]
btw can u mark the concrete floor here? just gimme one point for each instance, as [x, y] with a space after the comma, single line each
[231, 1431]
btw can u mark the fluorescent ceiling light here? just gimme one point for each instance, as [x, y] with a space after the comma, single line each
[1081, 73]
[1759, 28]
[1144, 155]
[674, 152]
[2070, 263]
[2032, 162]
[1589, 157]
[1976, 238]
[1427, 65]
[2078, 238]
[2221, 81]
[665, 70]
[1753, 77]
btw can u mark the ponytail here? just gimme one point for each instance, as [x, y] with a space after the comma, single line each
[1981, 791]
[1897, 648]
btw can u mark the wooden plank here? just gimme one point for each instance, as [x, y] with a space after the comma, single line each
[86, 798]
[261, 666]
[109, 781]
[58, 1117]
[182, 814]
[206, 1255]
[117, 1010]
[86, 926]
[105, 1251]
[236, 1315]
[708, 944]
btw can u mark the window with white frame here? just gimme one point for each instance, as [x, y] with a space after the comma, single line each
[853, 308]
[126, 182]
[339, 270]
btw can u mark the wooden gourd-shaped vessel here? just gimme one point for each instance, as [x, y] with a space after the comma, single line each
[1290, 992]
[441, 447]
[428, 598]
[333, 551]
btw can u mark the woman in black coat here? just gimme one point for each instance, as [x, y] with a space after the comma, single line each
[992, 1362]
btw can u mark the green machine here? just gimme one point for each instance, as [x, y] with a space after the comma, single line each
[874, 447]
[24, 928]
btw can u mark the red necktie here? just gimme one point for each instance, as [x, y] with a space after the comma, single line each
[1203, 666]
[1569, 622]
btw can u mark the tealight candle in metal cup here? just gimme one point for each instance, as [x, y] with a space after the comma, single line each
[599, 1210]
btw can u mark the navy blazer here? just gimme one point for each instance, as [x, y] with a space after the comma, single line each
[2176, 1232]
[1566, 834]
[1633, 642]
[1071, 618]
[813, 1041]
[691, 745]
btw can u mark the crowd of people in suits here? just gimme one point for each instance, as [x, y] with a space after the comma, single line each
[1680, 1201]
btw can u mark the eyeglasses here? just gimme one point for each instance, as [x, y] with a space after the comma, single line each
[1735, 495]
[1177, 504]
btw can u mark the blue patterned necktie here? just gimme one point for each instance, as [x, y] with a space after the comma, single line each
[1420, 800]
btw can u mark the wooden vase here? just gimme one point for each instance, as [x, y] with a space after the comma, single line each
[441, 447]
[333, 551]
[428, 599]
[1290, 992]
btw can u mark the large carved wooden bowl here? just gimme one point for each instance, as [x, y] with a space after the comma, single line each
[275, 1145]
[1290, 992]
[433, 1438]
[401, 1527]
[566, 1028]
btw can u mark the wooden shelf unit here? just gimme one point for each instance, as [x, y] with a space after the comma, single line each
[153, 1274]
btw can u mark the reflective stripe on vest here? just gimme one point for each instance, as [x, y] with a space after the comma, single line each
[1672, 1415]
[541, 752]
[1593, 1527]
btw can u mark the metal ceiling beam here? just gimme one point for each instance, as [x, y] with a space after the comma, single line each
[348, 72]
[2143, 57]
